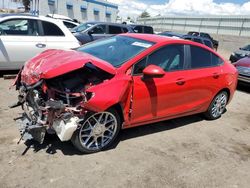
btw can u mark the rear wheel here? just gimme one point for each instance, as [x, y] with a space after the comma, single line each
[217, 106]
[97, 132]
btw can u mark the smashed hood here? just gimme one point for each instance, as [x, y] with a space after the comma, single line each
[53, 63]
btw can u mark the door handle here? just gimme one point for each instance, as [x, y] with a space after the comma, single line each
[40, 45]
[180, 82]
[216, 75]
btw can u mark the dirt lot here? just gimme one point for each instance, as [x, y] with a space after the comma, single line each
[185, 152]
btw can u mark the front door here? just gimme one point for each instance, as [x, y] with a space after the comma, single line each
[156, 98]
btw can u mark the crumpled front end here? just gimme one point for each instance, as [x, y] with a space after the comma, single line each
[56, 105]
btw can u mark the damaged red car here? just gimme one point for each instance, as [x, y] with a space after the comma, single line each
[89, 94]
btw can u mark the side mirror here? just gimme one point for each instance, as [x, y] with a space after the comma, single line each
[153, 71]
[240, 48]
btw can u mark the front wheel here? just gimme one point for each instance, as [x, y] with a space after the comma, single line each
[97, 132]
[217, 106]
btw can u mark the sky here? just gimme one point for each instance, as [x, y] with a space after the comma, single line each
[133, 8]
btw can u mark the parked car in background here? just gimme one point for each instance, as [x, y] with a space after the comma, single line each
[205, 35]
[241, 53]
[142, 29]
[89, 94]
[24, 36]
[243, 67]
[171, 34]
[201, 40]
[91, 31]
[68, 22]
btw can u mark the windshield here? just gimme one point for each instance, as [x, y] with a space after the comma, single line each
[116, 50]
[82, 27]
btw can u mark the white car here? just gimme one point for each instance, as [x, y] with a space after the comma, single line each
[24, 36]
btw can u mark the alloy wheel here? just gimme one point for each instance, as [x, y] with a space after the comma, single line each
[98, 130]
[219, 105]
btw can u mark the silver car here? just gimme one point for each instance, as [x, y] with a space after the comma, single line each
[23, 36]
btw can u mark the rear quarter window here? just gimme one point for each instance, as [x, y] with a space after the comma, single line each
[216, 60]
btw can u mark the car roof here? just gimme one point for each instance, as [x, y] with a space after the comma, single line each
[135, 25]
[150, 37]
[16, 15]
[172, 34]
[43, 18]
[197, 37]
[109, 23]
[164, 39]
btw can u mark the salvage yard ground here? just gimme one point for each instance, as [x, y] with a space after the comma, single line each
[184, 152]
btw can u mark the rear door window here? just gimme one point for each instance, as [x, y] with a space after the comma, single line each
[50, 29]
[216, 60]
[200, 57]
[115, 29]
[99, 29]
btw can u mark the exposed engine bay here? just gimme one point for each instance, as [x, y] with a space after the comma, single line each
[56, 105]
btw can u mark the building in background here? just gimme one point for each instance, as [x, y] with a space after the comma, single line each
[82, 10]
[11, 4]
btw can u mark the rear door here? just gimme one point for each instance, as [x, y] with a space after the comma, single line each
[205, 76]
[20, 40]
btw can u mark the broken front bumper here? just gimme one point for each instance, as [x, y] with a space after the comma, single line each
[30, 130]
[64, 128]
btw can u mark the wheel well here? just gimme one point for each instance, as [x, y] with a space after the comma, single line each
[228, 92]
[119, 110]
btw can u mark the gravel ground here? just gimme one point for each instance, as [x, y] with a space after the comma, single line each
[184, 152]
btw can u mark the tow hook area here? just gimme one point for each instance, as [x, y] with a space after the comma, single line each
[30, 130]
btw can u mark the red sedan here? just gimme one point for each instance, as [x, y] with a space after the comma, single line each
[89, 94]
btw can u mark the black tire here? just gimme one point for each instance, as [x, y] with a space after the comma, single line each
[210, 114]
[77, 138]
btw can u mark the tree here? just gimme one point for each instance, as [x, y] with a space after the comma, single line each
[144, 14]
[26, 4]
